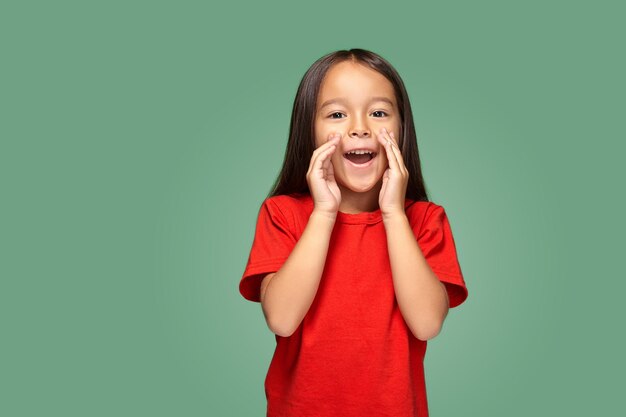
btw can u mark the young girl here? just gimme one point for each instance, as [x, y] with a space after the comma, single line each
[354, 267]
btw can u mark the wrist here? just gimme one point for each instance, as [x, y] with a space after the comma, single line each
[394, 217]
[324, 215]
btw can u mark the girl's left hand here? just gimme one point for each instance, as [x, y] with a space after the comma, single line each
[395, 178]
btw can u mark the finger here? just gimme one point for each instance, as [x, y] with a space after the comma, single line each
[332, 141]
[323, 158]
[400, 156]
[330, 170]
[326, 162]
[396, 151]
[391, 156]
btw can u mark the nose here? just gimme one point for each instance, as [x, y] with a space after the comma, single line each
[359, 132]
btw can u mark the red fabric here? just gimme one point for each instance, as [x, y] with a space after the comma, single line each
[353, 354]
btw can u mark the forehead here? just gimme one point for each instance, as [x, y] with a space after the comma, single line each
[354, 82]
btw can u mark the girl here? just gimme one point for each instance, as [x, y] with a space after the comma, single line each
[354, 267]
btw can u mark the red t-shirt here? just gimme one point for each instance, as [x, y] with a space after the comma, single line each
[353, 354]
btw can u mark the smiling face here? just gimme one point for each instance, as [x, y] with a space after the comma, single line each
[357, 102]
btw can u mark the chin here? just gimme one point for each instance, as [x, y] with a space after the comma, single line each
[361, 186]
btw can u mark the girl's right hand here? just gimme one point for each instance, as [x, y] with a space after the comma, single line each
[321, 178]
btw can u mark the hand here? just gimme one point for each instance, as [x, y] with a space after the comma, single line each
[395, 178]
[321, 178]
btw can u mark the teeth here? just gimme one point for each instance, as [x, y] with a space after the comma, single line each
[359, 152]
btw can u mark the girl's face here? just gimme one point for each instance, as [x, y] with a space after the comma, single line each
[357, 102]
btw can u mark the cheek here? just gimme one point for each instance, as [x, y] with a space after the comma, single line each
[337, 157]
[321, 138]
[384, 162]
[322, 132]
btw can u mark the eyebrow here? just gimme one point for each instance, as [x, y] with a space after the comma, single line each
[342, 100]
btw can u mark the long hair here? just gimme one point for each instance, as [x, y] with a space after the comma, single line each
[301, 143]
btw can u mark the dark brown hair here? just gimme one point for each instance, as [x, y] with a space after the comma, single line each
[301, 143]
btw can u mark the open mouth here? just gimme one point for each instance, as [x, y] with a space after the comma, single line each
[360, 159]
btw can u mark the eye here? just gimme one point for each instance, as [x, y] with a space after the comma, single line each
[380, 111]
[332, 114]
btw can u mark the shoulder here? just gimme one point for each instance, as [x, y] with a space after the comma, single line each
[292, 208]
[419, 210]
[421, 213]
[289, 202]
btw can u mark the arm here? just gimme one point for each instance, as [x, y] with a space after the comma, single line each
[287, 294]
[422, 298]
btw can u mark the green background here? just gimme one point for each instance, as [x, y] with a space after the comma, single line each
[138, 140]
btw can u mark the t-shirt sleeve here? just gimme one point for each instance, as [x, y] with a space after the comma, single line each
[437, 244]
[273, 242]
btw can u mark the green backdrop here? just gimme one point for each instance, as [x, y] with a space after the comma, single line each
[138, 140]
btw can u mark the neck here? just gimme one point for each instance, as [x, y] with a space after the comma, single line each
[353, 202]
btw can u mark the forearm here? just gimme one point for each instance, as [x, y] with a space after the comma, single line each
[292, 289]
[422, 298]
